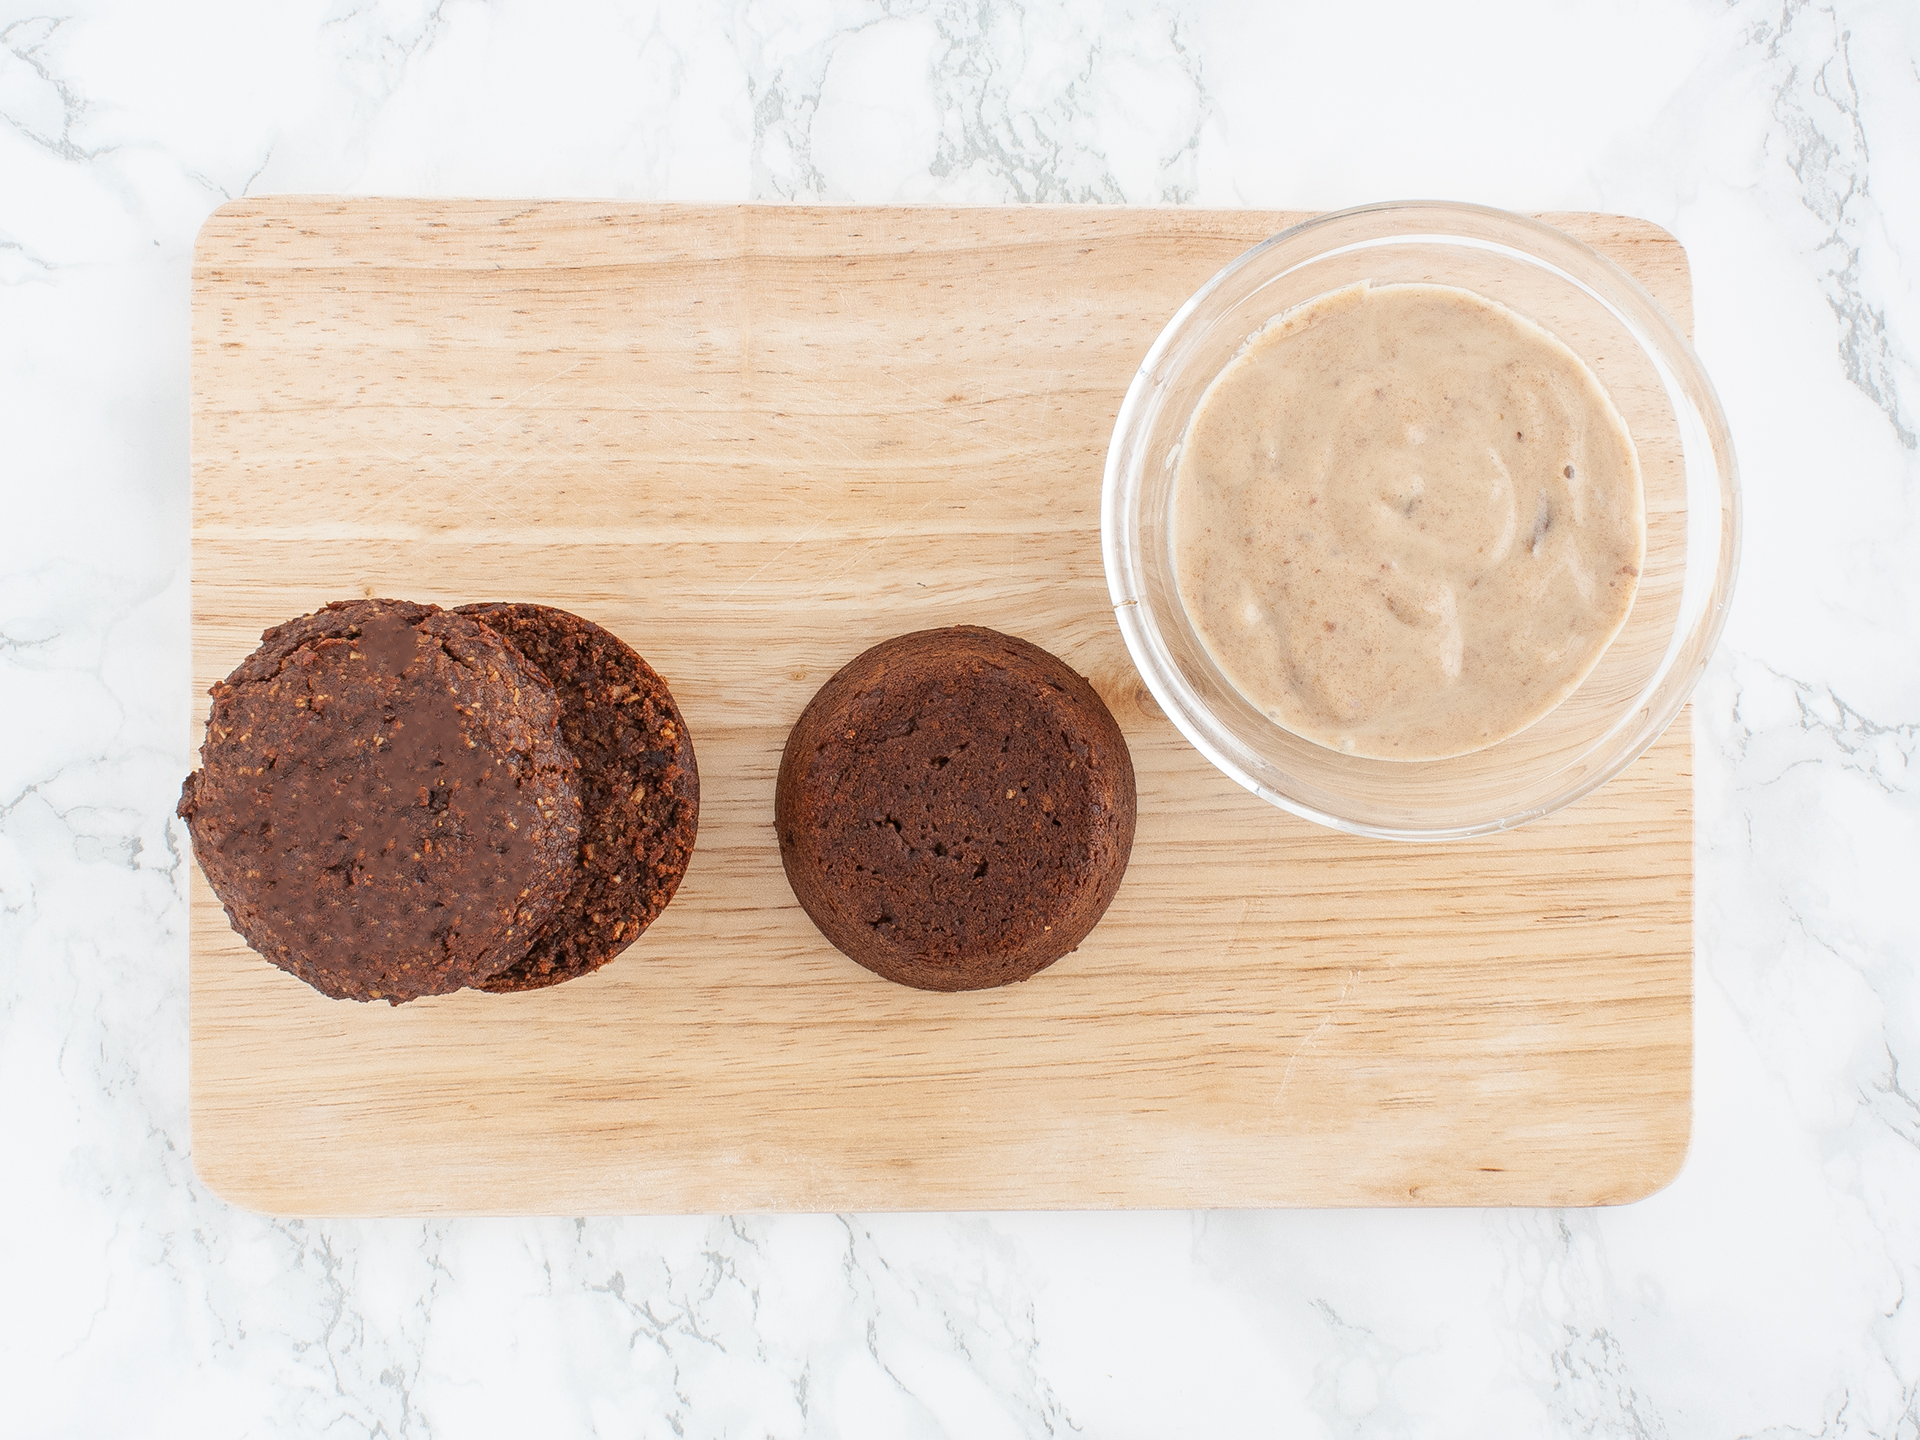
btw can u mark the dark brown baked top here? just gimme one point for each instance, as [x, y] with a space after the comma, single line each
[384, 805]
[955, 809]
[639, 790]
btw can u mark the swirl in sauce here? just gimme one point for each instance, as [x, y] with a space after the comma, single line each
[1407, 521]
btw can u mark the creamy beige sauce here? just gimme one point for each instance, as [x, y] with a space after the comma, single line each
[1407, 521]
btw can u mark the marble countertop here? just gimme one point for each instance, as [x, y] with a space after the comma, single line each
[1763, 1294]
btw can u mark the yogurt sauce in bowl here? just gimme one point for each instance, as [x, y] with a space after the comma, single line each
[1407, 521]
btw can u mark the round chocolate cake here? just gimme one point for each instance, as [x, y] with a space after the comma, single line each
[955, 809]
[639, 790]
[384, 805]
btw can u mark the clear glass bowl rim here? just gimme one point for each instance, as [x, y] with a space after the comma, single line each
[1169, 688]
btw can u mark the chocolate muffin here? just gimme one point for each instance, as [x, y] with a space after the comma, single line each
[639, 790]
[955, 809]
[384, 804]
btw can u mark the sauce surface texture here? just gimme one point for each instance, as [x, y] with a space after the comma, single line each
[1407, 521]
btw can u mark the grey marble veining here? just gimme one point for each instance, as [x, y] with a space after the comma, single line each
[1767, 1293]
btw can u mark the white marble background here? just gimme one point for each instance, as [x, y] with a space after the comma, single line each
[1765, 1294]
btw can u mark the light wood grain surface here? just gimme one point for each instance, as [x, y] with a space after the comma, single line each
[753, 441]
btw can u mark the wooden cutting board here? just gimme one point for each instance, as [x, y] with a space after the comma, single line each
[754, 441]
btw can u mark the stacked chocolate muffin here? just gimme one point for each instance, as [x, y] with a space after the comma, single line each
[396, 800]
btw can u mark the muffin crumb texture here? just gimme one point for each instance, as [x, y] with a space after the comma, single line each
[384, 806]
[397, 801]
[955, 809]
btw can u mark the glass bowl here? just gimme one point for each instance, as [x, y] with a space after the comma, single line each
[1692, 508]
